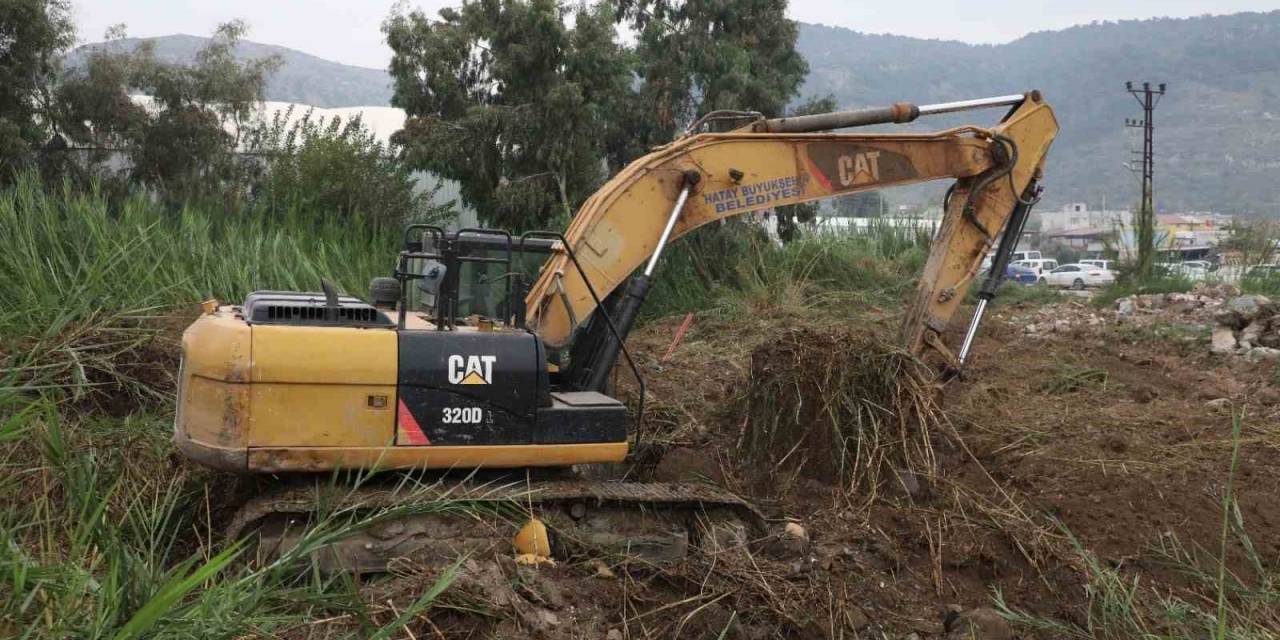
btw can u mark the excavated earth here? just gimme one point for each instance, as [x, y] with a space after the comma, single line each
[1110, 437]
[1100, 439]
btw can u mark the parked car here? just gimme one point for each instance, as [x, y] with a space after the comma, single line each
[1020, 274]
[1193, 269]
[1040, 265]
[1078, 276]
[1101, 264]
[1015, 257]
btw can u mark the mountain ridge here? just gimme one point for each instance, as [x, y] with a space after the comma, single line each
[1217, 129]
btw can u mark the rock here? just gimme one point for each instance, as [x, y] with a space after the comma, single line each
[1223, 340]
[791, 543]
[1219, 404]
[1230, 318]
[1125, 307]
[1270, 340]
[797, 531]
[1029, 329]
[1251, 332]
[978, 624]
[1258, 354]
[614, 634]
[603, 571]
[1248, 306]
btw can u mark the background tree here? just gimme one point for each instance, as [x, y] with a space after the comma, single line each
[184, 146]
[511, 102]
[336, 167]
[696, 56]
[33, 36]
[530, 114]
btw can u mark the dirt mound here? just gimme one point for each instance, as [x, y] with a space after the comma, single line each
[838, 406]
[1106, 439]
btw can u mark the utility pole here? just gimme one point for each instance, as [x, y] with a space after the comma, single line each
[1148, 98]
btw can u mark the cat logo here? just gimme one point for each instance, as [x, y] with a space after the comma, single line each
[471, 369]
[859, 168]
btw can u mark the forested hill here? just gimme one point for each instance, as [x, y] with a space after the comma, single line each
[1217, 129]
[301, 78]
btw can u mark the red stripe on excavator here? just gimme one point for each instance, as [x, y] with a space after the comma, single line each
[817, 173]
[410, 431]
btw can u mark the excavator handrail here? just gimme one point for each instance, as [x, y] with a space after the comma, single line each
[613, 329]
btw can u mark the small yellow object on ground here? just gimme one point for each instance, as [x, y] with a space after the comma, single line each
[532, 540]
[531, 559]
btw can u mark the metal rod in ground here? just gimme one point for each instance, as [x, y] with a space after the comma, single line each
[675, 342]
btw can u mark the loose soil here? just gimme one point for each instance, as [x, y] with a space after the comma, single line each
[1101, 436]
[1098, 436]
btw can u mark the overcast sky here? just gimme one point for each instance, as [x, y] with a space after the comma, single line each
[348, 30]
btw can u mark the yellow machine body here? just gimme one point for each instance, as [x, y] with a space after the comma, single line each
[276, 398]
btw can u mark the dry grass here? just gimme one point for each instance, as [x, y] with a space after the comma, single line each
[842, 407]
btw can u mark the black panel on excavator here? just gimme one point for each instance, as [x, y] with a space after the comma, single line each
[473, 387]
[492, 388]
[582, 416]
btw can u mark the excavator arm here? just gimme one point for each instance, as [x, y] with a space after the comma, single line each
[707, 177]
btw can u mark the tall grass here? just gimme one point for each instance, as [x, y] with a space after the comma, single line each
[735, 269]
[1268, 285]
[100, 537]
[103, 533]
[82, 285]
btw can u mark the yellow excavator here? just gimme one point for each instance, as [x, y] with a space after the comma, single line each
[445, 368]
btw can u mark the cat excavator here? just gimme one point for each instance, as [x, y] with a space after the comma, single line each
[463, 363]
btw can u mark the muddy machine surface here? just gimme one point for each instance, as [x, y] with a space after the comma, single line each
[488, 356]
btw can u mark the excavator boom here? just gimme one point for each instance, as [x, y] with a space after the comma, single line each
[771, 163]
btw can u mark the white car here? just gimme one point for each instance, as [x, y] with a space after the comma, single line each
[1079, 276]
[1014, 258]
[1194, 269]
[1039, 265]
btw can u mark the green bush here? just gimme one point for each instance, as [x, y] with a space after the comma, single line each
[1268, 285]
[335, 167]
